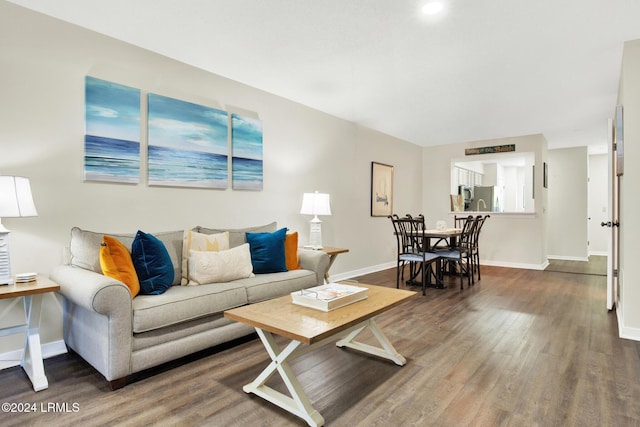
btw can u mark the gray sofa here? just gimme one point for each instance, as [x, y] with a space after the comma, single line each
[119, 335]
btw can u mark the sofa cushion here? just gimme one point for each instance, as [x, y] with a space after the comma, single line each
[200, 242]
[267, 251]
[237, 235]
[221, 266]
[115, 261]
[267, 286]
[291, 251]
[183, 303]
[84, 248]
[152, 263]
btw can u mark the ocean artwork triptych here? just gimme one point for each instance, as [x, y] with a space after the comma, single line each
[188, 145]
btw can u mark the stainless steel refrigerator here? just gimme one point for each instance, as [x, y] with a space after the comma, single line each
[484, 198]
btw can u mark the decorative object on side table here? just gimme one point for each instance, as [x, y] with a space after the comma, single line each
[315, 204]
[15, 201]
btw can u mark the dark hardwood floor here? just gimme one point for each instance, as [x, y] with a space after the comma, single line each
[520, 348]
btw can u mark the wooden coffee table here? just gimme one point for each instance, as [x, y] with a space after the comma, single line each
[307, 329]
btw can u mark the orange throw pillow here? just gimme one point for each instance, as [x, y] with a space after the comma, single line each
[291, 251]
[115, 261]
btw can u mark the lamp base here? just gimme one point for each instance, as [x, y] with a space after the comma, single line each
[315, 233]
[5, 264]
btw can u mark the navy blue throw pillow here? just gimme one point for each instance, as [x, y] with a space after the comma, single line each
[152, 263]
[267, 251]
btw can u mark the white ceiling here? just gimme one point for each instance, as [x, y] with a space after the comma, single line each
[481, 69]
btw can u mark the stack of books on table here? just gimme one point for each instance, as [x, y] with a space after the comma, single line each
[328, 297]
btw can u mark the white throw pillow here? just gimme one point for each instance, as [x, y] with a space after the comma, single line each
[220, 267]
[200, 242]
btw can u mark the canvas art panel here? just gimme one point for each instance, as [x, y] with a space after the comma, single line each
[246, 143]
[112, 132]
[188, 144]
[381, 189]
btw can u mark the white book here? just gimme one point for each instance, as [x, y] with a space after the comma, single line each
[330, 296]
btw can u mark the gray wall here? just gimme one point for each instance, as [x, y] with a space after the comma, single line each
[43, 65]
[629, 284]
[509, 240]
[568, 203]
[42, 69]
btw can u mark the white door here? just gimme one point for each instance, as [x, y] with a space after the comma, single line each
[615, 136]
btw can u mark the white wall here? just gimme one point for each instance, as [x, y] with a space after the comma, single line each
[510, 240]
[629, 272]
[598, 211]
[568, 203]
[43, 64]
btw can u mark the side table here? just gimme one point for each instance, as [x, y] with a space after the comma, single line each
[32, 293]
[333, 254]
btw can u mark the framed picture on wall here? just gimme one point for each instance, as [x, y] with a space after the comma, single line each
[246, 153]
[187, 144]
[112, 132]
[381, 189]
[545, 175]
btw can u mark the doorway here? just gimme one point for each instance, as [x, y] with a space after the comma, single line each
[597, 265]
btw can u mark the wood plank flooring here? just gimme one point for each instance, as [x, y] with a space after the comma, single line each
[596, 264]
[520, 348]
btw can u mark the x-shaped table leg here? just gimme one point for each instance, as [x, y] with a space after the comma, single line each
[299, 404]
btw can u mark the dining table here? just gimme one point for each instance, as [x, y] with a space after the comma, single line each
[450, 235]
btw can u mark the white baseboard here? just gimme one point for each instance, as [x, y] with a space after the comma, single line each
[50, 349]
[598, 253]
[568, 258]
[367, 270]
[625, 331]
[361, 272]
[515, 265]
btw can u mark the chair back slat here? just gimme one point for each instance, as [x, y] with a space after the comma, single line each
[468, 228]
[417, 233]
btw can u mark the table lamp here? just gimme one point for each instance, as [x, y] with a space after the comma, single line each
[15, 201]
[315, 204]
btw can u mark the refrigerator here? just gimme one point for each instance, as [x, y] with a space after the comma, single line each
[485, 199]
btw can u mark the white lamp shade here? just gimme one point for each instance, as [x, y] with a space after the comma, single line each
[15, 197]
[315, 204]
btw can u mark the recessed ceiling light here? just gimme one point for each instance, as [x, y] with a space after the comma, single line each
[432, 7]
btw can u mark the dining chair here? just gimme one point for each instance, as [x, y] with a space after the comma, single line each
[475, 247]
[410, 238]
[461, 254]
[404, 243]
[458, 221]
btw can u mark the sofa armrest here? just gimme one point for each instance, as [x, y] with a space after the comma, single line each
[93, 291]
[316, 261]
[97, 319]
